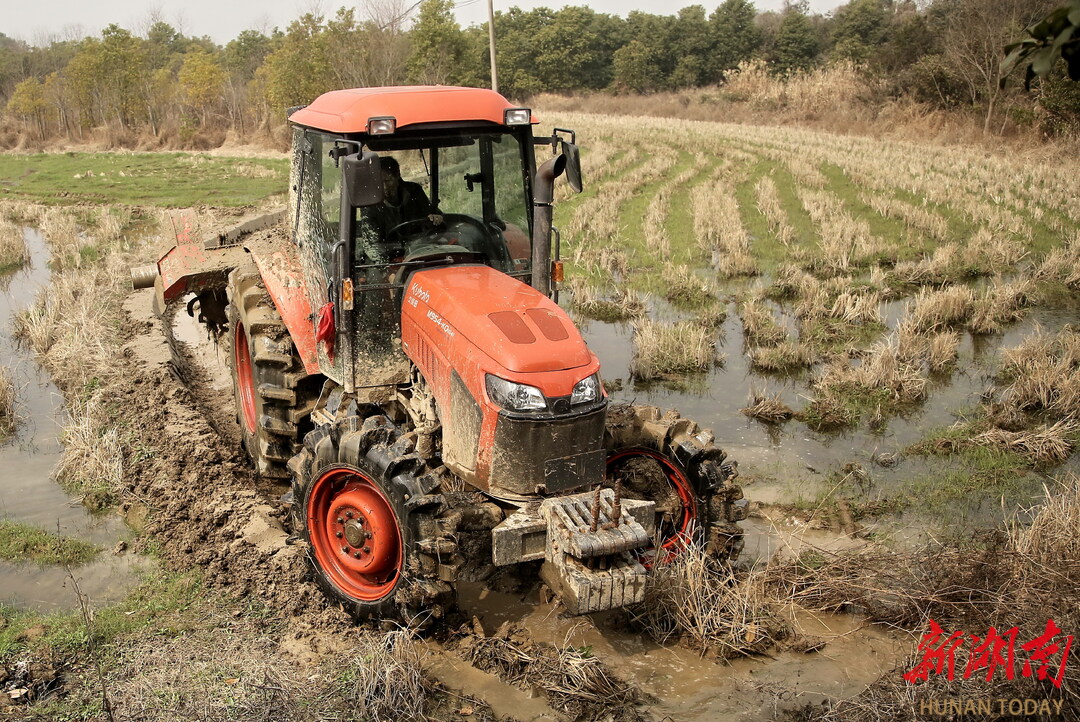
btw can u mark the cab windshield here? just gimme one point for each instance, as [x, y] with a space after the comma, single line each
[461, 200]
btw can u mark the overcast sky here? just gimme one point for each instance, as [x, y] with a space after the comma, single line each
[39, 21]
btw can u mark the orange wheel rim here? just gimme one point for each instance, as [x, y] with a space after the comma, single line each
[675, 539]
[245, 380]
[354, 534]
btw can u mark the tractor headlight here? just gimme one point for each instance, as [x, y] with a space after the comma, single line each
[588, 389]
[517, 116]
[517, 397]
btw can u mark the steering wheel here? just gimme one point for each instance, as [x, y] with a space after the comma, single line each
[398, 233]
[492, 246]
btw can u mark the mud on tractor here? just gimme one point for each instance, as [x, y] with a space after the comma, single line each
[438, 414]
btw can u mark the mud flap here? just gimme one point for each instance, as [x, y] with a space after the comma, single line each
[589, 561]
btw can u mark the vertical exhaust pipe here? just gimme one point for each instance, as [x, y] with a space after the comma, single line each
[543, 196]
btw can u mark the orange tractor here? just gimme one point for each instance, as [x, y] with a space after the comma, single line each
[397, 354]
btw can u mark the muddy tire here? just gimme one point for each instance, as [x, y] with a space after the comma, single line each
[667, 459]
[265, 370]
[373, 523]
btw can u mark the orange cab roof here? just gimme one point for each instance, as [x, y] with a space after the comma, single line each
[348, 111]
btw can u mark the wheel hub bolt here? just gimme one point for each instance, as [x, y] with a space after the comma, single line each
[349, 514]
[357, 554]
[338, 534]
[344, 550]
[340, 520]
[366, 550]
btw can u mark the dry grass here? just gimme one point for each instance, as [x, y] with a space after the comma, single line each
[1045, 373]
[768, 202]
[883, 369]
[234, 672]
[386, 680]
[67, 326]
[621, 305]
[783, 357]
[93, 460]
[766, 408]
[822, 91]
[573, 680]
[661, 350]
[938, 310]
[941, 351]
[792, 282]
[1002, 303]
[7, 403]
[1061, 264]
[685, 288]
[698, 600]
[826, 412]
[857, 307]
[929, 222]
[1019, 577]
[1043, 445]
[759, 325]
[13, 250]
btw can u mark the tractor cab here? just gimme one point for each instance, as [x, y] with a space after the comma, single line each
[388, 181]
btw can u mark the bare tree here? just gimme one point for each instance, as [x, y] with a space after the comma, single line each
[975, 33]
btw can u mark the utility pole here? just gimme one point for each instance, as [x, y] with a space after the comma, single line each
[491, 44]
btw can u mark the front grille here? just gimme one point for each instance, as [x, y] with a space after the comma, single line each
[548, 455]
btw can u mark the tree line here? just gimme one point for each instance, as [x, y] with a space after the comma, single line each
[178, 89]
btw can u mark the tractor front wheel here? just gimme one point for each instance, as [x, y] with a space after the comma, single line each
[667, 459]
[373, 522]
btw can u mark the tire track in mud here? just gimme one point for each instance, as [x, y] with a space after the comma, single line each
[200, 502]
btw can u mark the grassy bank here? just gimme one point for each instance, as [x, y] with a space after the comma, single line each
[141, 179]
[26, 543]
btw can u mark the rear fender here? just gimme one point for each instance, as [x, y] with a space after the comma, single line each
[192, 266]
[283, 277]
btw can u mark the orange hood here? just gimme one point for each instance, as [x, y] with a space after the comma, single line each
[514, 324]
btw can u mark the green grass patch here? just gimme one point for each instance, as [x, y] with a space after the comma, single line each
[25, 543]
[680, 222]
[163, 604]
[972, 474]
[891, 230]
[967, 469]
[171, 180]
[837, 335]
[764, 245]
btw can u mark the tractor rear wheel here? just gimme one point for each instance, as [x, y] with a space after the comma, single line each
[668, 460]
[264, 367]
[371, 517]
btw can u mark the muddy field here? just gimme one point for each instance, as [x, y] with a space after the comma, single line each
[854, 540]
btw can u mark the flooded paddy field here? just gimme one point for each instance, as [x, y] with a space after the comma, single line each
[876, 296]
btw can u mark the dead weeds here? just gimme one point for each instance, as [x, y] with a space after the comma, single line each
[574, 681]
[764, 407]
[7, 403]
[695, 599]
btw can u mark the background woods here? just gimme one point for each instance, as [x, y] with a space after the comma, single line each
[160, 88]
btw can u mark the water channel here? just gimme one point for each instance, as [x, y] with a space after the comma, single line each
[28, 493]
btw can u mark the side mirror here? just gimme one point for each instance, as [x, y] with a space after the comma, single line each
[573, 165]
[361, 178]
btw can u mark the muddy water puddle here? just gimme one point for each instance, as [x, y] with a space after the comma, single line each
[848, 655]
[28, 493]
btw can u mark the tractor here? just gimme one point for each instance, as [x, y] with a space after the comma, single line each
[409, 373]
